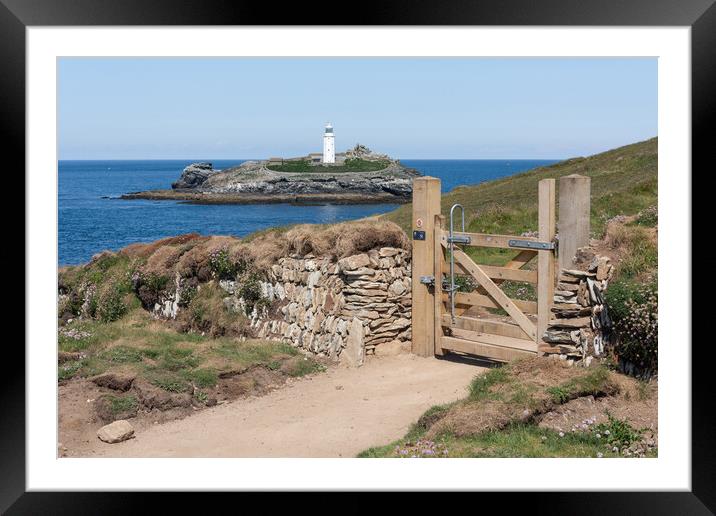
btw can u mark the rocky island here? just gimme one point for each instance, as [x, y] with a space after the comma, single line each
[358, 176]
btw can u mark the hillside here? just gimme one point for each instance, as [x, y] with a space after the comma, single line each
[624, 182]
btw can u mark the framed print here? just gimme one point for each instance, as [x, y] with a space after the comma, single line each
[281, 249]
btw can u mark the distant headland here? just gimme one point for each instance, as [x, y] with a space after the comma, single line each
[357, 176]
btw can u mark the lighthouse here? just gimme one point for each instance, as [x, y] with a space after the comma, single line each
[329, 147]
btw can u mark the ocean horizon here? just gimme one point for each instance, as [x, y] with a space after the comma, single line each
[92, 218]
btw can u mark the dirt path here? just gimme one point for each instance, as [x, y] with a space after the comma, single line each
[335, 414]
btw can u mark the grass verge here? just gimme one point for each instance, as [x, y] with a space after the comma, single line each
[176, 362]
[499, 418]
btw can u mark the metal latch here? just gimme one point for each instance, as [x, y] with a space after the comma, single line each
[530, 244]
[427, 280]
[459, 239]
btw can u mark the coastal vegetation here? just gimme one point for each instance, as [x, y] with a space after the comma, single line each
[506, 414]
[108, 307]
[349, 165]
[146, 348]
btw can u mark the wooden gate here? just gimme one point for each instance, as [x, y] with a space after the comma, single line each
[467, 323]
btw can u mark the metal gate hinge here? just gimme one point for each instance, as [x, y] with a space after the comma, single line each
[530, 244]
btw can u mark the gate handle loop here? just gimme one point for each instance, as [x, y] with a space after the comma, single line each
[452, 257]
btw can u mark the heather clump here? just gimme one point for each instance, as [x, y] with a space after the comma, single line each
[634, 308]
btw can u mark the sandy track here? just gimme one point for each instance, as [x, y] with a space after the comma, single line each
[335, 414]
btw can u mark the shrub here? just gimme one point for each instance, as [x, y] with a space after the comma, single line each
[92, 302]
[617, 432]
[149, 287]
[250, 290]
[110, 305]
[648, 217]
[207, 313]
[186, 295]
[221, 265]
[634, 309]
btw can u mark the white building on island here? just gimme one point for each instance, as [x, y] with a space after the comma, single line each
[329, 147]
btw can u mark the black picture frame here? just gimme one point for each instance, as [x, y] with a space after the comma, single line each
[700, 15]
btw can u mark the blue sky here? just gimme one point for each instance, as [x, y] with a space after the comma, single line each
[215, 108]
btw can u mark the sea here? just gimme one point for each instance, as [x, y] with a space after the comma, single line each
[92, 217]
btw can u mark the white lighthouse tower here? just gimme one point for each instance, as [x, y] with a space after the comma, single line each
[329, 147]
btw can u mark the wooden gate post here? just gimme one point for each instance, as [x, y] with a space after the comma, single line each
[574, 212]
[546, 274]
[426, 204]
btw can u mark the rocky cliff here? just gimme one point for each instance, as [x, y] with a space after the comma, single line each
[255, 182]
[194, 175]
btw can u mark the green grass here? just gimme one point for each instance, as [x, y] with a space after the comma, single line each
[120, 404]
[480, 385]
[641, 254]
[511, 392]
[170, 359]
[624, 181]
[305, 367]
[515, 441]
[122, 355]
[592, 383]
[167, 380]
[350, 165]
[207, 377]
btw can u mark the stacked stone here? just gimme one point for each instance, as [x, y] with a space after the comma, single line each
[315, 302]
[580, 323]
[378, 292]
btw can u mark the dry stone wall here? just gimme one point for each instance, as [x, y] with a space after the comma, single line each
[581, 324]
[343, 310]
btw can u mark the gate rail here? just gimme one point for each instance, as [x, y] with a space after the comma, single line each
[440, 321]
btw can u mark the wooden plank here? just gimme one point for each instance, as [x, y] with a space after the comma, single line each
[426, 204]
[496, 340]
[495, 293]
[503, 273]
[487, 240]
[499, 273]
[471, 298]
[487, 350]
[439, 260]
[546, 260]
[523, 258]
[485, 326]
